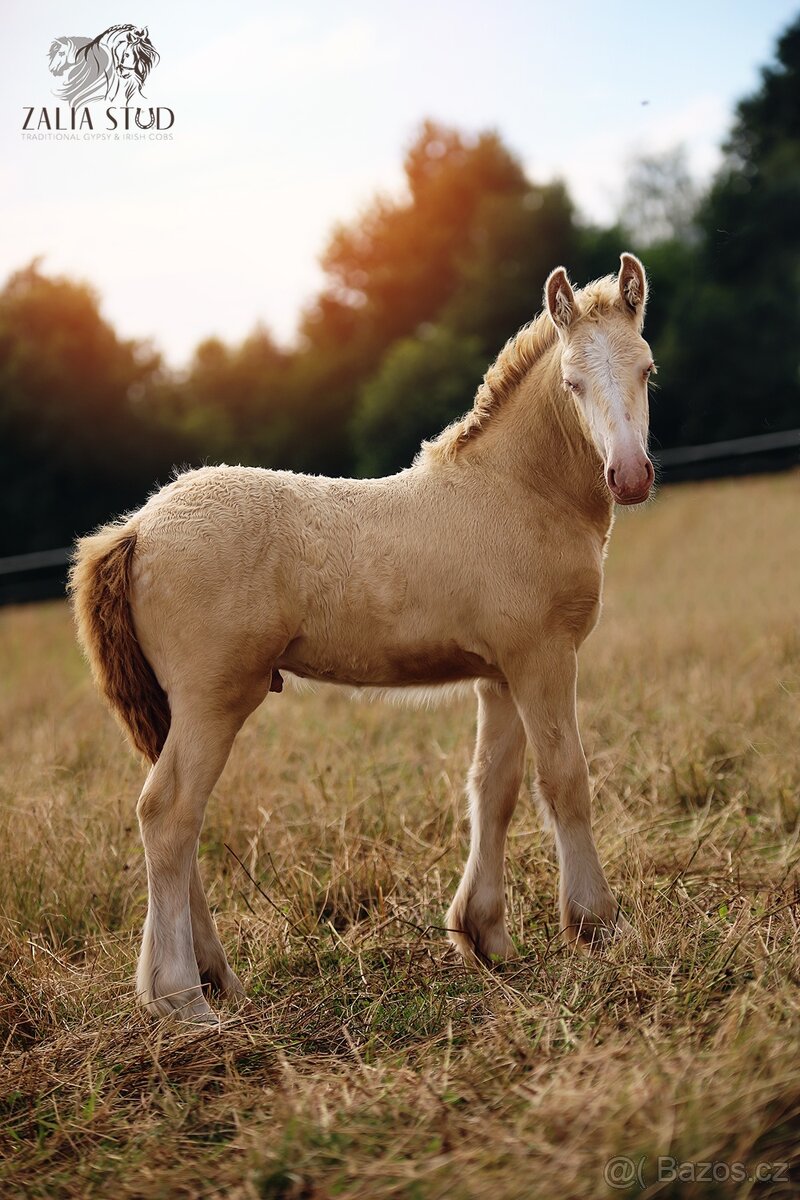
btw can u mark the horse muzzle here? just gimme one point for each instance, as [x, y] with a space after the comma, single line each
[630, 480]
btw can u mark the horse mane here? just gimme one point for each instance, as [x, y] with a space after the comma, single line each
[509, 369]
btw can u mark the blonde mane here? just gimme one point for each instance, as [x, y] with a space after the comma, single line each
[512, 365]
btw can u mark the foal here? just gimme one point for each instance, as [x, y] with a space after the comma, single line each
[483, 561]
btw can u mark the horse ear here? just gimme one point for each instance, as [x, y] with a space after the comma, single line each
[633, 285]
[559, 299]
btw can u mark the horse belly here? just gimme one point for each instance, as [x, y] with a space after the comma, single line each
[399, 665]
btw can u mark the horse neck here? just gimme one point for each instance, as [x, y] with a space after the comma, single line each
[538, 437]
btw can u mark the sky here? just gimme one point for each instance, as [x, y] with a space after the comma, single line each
[290, 117]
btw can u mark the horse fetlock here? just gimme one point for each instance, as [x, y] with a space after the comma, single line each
[476, 926]
[592, 919]
[222, 981]
[167, 1000]
[164, 998]
[168, 983]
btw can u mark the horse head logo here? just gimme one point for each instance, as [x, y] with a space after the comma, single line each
[90, 69]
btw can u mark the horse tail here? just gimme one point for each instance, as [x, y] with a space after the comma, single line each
[100, 585]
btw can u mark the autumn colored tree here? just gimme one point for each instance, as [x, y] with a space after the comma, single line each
[399, 263]
[395, 269]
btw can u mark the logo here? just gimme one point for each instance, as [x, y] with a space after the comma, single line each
[118, 60]
[113, 68]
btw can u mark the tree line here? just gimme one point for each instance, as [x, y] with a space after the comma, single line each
[420, 294]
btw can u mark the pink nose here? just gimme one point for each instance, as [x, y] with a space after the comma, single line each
[629, 481]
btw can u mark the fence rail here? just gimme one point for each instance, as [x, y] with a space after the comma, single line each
[740, 456]
[38, 576]
[40, 560]
[43, 574]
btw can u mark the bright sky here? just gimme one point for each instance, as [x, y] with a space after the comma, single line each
[291, 115]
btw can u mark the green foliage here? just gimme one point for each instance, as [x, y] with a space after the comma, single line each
[238, 400]
[515, 242]
[422, 385]
[660, 199]
[73, 425]
[393, 270]
[734, 323]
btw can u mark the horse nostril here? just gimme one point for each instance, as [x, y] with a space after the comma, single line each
[648, 466]
[612, 478]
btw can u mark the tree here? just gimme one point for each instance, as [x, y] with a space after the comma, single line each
[734, 331]
[393, 270]
[422, 385]
[467, 248]
[660, 199]
[75, 445]
[515, 242]
[235, 403]
[398, 264]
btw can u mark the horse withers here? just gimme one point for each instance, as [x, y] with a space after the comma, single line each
[481, 562]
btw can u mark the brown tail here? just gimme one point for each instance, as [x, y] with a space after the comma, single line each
[100, 586]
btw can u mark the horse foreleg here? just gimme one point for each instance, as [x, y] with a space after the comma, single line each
[545, 693]
[476, 920]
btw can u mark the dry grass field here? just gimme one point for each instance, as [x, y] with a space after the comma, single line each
[369, 1061]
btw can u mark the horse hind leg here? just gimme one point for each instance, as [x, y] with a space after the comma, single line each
[171, 811]
[212, 963]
